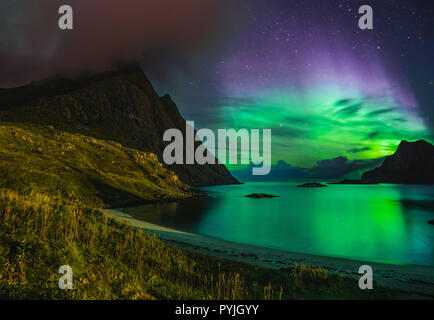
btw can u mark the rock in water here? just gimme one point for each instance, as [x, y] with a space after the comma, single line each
[312, 185]
[413, 163]
[260, 195]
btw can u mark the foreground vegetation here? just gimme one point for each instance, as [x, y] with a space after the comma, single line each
[40, 233]
[52, 186]
[73, 166]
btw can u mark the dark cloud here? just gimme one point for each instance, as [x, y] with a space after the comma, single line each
[105, 32]
[289, 132]
[372, 135]
[356, 150]
[296, 120]
[342, 102]
[349, 111]
[381, 111]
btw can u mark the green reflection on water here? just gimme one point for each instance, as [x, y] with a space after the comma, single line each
[358, 221]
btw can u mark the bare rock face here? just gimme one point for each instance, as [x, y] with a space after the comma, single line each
[120, 106]
[412, 163]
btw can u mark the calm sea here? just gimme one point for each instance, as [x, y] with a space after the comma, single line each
[367, 222]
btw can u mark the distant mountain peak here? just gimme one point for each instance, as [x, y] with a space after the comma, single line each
[413, 145]
[282, 164]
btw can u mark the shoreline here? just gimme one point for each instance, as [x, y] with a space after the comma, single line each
[411, 279]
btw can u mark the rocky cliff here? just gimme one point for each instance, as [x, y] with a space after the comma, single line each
[121, 106]
[412, 163]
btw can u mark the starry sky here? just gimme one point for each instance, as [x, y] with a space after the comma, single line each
[326, 88]
[330, 92]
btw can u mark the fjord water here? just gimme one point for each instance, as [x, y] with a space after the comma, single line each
[365, 222]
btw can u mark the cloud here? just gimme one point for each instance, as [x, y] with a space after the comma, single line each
[342, 102]
[372, 135]
[356, 150]
[105, 32]
[349, 111]
[381, 111]
[296, 120]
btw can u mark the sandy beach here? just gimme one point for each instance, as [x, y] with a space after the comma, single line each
[411, 279]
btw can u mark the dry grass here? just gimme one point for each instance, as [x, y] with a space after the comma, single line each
[40, 233]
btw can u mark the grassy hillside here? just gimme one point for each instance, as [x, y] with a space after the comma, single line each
[73, 166]
[52, 185]
[119, 106]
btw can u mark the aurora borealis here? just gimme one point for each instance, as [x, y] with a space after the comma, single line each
[324, 87]
[304, 69]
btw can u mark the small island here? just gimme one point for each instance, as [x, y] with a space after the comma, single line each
[312, 185]
[353, 182]
[261, 195]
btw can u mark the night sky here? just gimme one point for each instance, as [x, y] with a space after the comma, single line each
[302, 68]
[325, 87]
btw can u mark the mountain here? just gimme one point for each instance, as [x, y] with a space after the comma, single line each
[281, 171]
[120, 106]
[412, 163]
[73, 166]
[324, 169]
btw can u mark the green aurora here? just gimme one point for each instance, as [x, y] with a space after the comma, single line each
[321, 125]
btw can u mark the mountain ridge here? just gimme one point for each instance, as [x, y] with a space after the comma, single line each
[412, 163]
[119, 105]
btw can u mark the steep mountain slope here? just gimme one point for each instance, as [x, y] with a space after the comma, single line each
[121, 106]
[413, 162]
